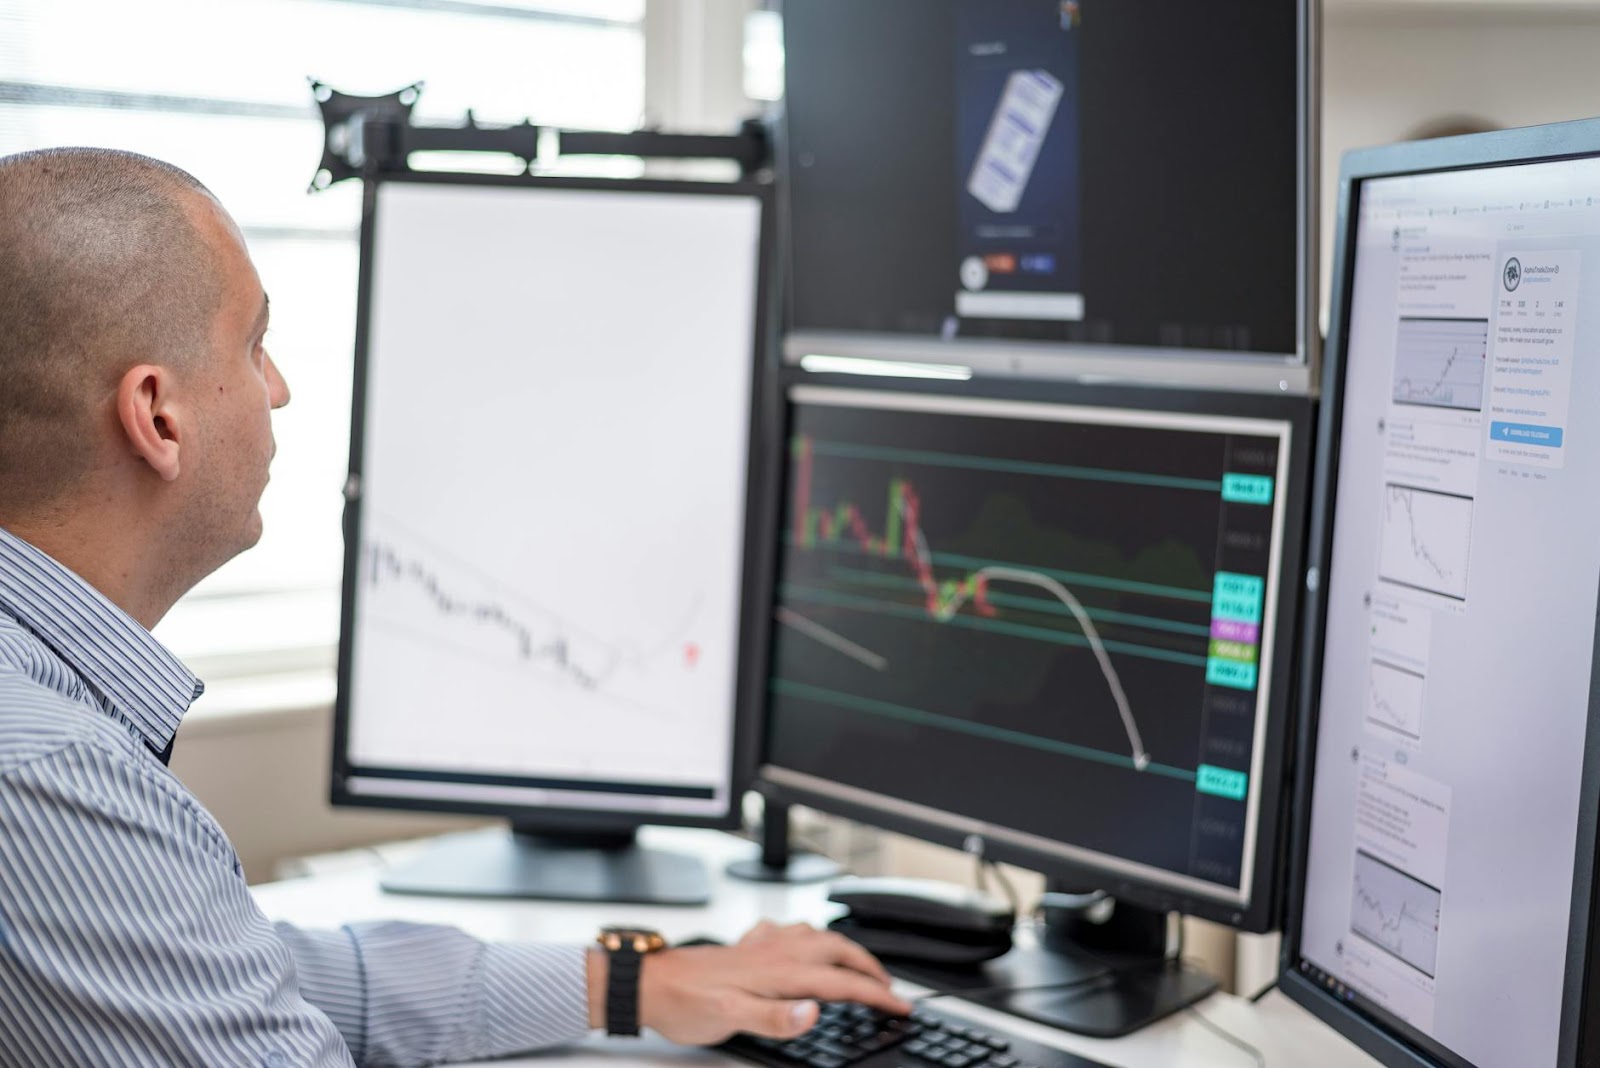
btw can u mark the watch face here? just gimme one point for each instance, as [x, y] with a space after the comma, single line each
[638, 939]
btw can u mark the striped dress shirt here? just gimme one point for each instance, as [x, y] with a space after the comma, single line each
[127, 933]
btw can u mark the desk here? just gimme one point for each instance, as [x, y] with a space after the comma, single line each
[1285, 1033]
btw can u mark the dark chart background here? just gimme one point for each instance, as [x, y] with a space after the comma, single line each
[1007, 717]
[1184, 162]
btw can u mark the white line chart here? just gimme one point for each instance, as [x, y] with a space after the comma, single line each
[1141, 757]
[788, 617]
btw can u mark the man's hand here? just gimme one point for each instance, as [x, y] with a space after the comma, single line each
[768, 984]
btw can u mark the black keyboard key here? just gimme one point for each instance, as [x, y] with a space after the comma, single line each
[853, 1036]
[834, 1049]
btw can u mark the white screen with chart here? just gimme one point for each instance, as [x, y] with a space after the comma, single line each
[547, 581]
[1461, 610]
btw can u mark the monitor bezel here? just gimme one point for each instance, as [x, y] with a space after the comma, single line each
[748, 684]
[1260, 911]
[1245, 372]
[1387, 1039]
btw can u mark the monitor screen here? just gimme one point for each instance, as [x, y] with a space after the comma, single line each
[1040, 171]
[1052, 625]
[1460, 594]
[546, 546]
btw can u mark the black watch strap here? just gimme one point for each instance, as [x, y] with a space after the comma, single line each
[622, 991]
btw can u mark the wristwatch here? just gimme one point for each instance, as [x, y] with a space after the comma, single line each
[625, 948]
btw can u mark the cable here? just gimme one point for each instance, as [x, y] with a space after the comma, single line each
[1006, 886]
[1229, 1037]
[1263, 992]
[982, 992]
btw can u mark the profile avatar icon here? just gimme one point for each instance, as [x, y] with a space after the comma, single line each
[1513, 274]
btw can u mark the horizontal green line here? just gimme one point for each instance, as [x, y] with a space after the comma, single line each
[1047, 605]
[998, 626]
[1021, 467]
[964, 726]
[1071, 578]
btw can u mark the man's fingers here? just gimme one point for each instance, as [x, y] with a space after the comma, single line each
[761, 930]
[827, 983]
[774, 1019]
[835, 948]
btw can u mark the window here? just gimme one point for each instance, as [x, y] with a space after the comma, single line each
[221, 90]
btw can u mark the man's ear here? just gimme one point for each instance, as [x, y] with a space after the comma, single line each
[150, 418]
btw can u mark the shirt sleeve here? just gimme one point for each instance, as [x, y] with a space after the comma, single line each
[127, 934]
[128, 937]
[411, 994]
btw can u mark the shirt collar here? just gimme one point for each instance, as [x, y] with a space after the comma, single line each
[139, 677]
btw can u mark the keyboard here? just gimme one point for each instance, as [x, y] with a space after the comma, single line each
[854, 1035]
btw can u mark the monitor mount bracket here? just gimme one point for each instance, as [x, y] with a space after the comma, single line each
[374, 135]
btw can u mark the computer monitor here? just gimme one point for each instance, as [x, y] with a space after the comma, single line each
[544, 601]
[1048, 624]
[1050, 188]
[1441, 895]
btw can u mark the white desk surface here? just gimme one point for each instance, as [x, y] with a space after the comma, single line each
[1286, 1034]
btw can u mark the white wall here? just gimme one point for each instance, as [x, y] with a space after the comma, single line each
[1389, 67]
[264, 776]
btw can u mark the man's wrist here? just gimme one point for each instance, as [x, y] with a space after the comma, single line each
[598, 970]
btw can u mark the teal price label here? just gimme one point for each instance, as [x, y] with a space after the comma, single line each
[1237, 597]
[1221, 782]
[1246, 489]
[1231, 673]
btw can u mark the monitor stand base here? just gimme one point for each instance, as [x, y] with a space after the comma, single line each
[560, 866]
[1103, 982]
[799, 868]
[1101, 1001]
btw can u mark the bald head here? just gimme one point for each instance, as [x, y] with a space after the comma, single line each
[103, 266]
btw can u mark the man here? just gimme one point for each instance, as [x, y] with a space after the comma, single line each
[135, 437]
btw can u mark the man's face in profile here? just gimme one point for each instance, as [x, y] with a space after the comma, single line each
[234, 388]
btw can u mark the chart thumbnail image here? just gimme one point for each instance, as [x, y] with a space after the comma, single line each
[1439, 363]
[1426, 540]
[1394, 700]
[1396, 912]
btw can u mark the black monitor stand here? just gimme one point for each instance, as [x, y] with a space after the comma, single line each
[1095, 967]
[538, 862]
[778, 862]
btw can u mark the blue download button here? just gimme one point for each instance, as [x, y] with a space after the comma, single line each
[1526, 434]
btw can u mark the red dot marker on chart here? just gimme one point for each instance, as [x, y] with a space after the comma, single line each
[691, 654]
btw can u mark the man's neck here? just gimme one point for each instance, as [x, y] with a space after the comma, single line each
[120, 568]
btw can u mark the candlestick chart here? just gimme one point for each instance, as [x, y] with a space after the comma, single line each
[1046, 609]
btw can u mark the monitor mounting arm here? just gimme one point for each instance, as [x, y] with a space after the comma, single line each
[375, 134]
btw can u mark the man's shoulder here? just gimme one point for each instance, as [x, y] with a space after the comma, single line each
[36, 722]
